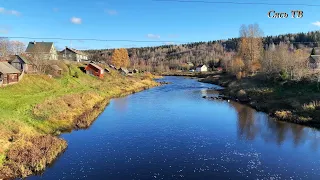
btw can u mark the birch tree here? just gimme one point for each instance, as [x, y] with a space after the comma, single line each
[251, 47]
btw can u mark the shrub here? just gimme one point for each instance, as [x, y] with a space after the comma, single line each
[284, 75]
[76, 75]
[239, 75]
[314, 105]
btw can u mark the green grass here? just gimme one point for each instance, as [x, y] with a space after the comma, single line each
[40, 105]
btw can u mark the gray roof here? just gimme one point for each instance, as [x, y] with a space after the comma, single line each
[315, 58]
[43, 47]
[74, 51]
[22, 57]
[317, 51]
[200, 66]
[6, 68]
[123, 69]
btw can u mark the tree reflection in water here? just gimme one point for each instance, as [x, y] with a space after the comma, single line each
[253, 124]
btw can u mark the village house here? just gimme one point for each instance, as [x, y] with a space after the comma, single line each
[55, 70]
[22, 63]
[314, 60]
[8, 74]
[202, 68]
[73, 55]
[94, 70]
[135, 71]
[42, 50]
[123, 71]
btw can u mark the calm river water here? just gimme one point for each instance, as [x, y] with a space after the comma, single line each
[171, 132]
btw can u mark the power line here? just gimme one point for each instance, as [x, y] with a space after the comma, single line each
[138, 41]
[237, 3]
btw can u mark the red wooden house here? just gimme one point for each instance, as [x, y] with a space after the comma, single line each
[94, 70]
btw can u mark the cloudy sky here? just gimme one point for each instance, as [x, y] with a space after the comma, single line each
[144, 20]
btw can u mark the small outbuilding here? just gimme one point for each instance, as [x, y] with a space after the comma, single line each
[123, 71]
[95, 70]
[56, 70]
[112, 66]
[8, 74]
[22, 63]
[135, 71]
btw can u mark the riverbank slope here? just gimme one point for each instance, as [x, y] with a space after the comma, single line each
[291, 101]
[39, 108]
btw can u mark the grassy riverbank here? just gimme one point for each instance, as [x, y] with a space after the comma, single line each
[297, 102]
[38, 108]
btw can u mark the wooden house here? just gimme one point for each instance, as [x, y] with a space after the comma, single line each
[55, 70]
[42, 50]
[314, 59]
[314, 62]
[73, 55]
[95, 70]
[112, 66]
[135, 71]
[123, 71]
[22, 63]
[8, 74]
[202, 68]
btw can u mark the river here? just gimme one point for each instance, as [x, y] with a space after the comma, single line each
[171, 132]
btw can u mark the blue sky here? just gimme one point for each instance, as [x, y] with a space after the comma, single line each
[145, 20]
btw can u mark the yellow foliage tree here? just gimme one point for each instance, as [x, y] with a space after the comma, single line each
[116, 58]
[125, 58]
[251, 47]
[120, 58]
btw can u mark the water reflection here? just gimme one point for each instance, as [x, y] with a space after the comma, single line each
[252, 125]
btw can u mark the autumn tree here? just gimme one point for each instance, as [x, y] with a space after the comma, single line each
[39, 59]
[125, 62]
[237, 67]
[120, 58]
[250, 47]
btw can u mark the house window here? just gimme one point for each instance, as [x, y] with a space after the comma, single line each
[63, 55]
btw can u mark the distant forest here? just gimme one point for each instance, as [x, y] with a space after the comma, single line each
[174, 57]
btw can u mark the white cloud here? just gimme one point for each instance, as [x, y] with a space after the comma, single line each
[11, 12]
[153, 36]
[173, 36]
[76, 20]
[317, 23]
[111, 12]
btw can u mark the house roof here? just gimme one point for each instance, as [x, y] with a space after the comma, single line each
[74, 51]
[96, 66]
[44, 47]
[22, 57]
[315, 58]
[317, 51]
[56, 67]
[6, 68]
[200, 66]
[123, 69]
